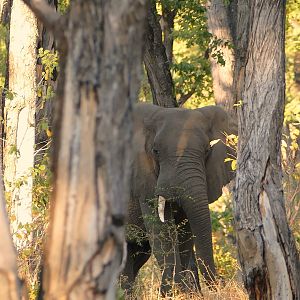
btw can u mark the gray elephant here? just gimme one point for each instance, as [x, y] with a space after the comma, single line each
[176, 174]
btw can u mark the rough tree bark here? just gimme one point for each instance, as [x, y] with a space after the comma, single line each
[167, 26]
[267, 251]
[11, 287]
[156, 62]
[101, 51]
[219, 15]
[5, 6]
[19, 115]
[44, 108]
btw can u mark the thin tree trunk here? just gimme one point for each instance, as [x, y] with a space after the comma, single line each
[157, 64]
[167, 25]
[218, 20]
[5, 6]
[5, 10]
[297, 70]
[9, 281]
[101, 51]
[44, 104]
[267, 251]
[19, 116]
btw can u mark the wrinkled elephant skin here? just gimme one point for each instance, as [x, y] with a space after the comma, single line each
[176, 174]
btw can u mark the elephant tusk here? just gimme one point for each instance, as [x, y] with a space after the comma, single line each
[161, 208]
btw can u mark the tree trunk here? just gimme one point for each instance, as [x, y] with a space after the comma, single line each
[5, 6]
[267, 251]
[101, 51]
[19, 117]
[157, 64]
[167, 25]
[9, 281]
[44, 104]
[5, 10]
[218, 20]
[297, 70]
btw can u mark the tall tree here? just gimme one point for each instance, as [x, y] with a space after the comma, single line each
[267, 251]
[167, 27]
[101, 50]
[19, 115]
[157, 63]
[219, 20]
[46, 83]
[5, 10]
[11, 286]
[175, 79]
[9, 281]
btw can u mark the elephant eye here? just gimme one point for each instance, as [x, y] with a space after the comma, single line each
[155, 151]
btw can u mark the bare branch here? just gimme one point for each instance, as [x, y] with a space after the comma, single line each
[45, 13]
[4, 11]
[186, 97]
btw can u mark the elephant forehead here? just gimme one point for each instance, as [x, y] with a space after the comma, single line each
[191, 141]
[183, 133]
[184, 118]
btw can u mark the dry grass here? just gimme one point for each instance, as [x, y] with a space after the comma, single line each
[148, 282]
[231, 290]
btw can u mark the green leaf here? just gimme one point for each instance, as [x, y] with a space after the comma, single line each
[42, 167]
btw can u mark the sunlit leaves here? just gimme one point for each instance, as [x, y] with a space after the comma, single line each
[232, 142]
[292, 47]
[191, 67]
[214, 142]
[63, 5]
[49, 61]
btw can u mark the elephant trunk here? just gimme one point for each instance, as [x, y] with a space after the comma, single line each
[190, 188]
[197, 212]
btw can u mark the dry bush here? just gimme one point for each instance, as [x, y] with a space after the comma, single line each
[148, 283]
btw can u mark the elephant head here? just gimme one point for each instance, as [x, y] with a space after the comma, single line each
[176, 162]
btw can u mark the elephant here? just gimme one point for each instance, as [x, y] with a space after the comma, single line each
[178, 169]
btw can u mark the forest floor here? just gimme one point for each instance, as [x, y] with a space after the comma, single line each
[148, 282]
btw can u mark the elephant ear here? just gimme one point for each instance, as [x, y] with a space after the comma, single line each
[218, 172]
[146, 125]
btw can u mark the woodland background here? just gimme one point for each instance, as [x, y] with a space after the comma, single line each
[191, 73]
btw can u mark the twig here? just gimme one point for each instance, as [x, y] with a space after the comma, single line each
[45, 13]
[186, 97]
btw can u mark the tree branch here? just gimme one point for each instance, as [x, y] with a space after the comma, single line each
[186, 97]
[157, 64]
[5, 11]
[45, 13]
[167, 26]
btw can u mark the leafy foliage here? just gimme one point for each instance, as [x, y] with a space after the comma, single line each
[191, 67]
[292, 46]
[192, 44]
[291, 137]
[191, 73]
[63, 5]
[224, 237]
[3, 54]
